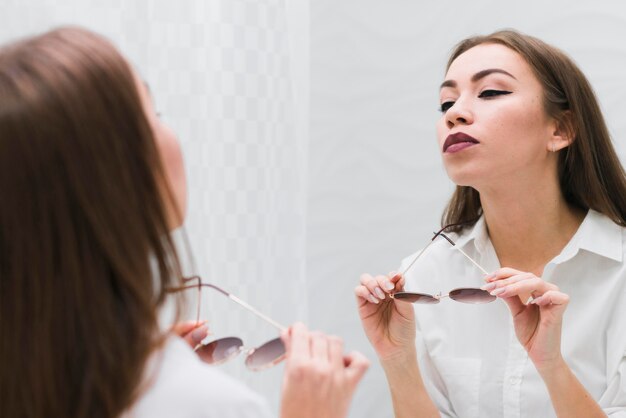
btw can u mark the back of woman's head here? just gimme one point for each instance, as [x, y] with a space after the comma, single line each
[590, 174]
[82, 227]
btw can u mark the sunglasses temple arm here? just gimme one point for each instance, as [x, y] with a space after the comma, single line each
[472, 260]
[233, 298]
[248, 307]
[254, 311]
[416, 258]
[441, 234]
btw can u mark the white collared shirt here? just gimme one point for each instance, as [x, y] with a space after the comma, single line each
[180, 385]
[470, 358]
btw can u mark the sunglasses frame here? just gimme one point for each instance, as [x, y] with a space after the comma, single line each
[249, 351]
[241, 348]
[437, 297]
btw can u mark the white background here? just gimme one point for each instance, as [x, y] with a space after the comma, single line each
[308, 132]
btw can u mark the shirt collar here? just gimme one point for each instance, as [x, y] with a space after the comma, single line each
[597, 234]
[477, 233]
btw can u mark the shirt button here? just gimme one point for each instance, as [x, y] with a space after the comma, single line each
[514, 380]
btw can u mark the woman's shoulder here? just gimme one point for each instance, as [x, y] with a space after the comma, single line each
[179, 384]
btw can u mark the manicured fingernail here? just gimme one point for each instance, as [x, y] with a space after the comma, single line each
[489, 286]
[199, 334]
[379, 293]
[496, 292]
[372, 299]
[388, 285]
[490, 277]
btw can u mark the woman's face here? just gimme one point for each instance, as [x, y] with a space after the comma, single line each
[493, 126]
[171, 156]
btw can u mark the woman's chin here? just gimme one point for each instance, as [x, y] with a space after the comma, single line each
[465, 177]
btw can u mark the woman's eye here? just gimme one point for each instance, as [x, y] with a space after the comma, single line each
[445, 106]
[493, 93]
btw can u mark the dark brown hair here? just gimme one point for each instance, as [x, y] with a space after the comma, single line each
[85, 252]
[590, 173]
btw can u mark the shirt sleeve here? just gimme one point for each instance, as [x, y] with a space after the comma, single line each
[613, 401]
[247, 405]
[181, 386]
[221, 396]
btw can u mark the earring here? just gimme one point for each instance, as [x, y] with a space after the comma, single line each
[553, 147]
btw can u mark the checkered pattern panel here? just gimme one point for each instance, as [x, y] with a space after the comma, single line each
[220, 75]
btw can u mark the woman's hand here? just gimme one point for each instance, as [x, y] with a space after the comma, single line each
[388, 324]
[319, 380]
[538, 323]
[191, 331]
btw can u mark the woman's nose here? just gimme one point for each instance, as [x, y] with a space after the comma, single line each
[459, 114]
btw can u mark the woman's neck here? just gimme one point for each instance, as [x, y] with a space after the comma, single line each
[528, 232]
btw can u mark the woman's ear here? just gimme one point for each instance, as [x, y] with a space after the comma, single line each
[564, 133]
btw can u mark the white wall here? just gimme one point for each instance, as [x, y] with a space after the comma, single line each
[376, 185]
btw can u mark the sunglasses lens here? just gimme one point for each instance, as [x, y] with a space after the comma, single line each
[471, 295]
[269, 354]
[219, 351]
[415, 297]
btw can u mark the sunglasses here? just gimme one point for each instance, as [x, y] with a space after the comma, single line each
[472, 295]
[223, 349]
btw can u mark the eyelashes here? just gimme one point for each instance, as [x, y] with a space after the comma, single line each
[485, 94]
[493, 93]
[445, 106]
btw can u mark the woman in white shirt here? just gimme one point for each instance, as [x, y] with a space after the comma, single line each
[92, 182]
[538, 221]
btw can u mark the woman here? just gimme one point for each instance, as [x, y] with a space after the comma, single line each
[541, 204]
[91, 184]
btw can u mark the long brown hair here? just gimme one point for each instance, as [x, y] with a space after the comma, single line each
[590, 173]
[85, 252]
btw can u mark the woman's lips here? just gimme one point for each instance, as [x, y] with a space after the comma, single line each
[458, 142]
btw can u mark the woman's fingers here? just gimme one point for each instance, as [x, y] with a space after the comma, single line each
[192, 332]
[508, 284]
[551, 297]
[356, 365]
[505, 282]
[285, 336]
[373, 284]
[299, 343]
[335, 351]
[502, 273]
[374, 289]
[184, 328]
[526, 286]
[364, 295]
[319, 346]
[318, 354]
[322, 380]
[398, 281]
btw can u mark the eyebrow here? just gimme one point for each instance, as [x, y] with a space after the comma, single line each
[478, 76]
